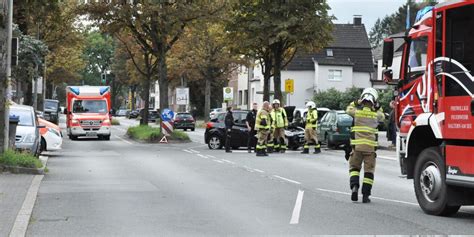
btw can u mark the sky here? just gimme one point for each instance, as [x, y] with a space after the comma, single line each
[344, 10]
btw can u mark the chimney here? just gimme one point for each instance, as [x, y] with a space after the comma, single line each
[357, 20]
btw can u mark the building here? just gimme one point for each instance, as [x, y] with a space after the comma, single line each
[346, 62]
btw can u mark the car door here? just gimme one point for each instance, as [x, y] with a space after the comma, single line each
[239, 130]
[323, 126]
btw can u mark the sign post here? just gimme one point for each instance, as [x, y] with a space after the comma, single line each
[166, 124]
[228, 94]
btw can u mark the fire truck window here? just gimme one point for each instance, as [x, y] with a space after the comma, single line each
[417, 57]
[89, 106]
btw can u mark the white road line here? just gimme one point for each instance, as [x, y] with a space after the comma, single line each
[387, 158]
[203, 156]
[228, 161]
[260, 171]
[211, 156]
[295, 217]
[188, 151]
[219, 161]
[379, 198]
[288, 180]
[198, 146]
[194, 150]
[130, 143]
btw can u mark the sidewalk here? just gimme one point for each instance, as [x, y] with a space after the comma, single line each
[13, 190]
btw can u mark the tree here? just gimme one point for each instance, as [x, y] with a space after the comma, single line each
[396, 22]
[3, 78]
[98, 54]
[155, 25]
[273, 31]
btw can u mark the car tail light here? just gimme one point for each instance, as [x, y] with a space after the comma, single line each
[210, 125]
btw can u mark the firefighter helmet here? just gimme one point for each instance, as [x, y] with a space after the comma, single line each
[276, 101]
[310, 105]
[370, 94]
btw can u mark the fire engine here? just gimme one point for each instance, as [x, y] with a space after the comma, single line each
[88, 112]
[435, 105]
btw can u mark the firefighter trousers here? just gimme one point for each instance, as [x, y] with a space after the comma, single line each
[270, 138]
[262, 136]
[355, 166]
[279, 139]
[311, 138]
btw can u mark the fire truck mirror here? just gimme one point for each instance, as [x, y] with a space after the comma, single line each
[387, 75]
[387, 59]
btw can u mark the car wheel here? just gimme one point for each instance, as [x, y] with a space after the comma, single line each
[192, 129]
[185, 129]
[430, 183]
[214, 143]
[72, 137]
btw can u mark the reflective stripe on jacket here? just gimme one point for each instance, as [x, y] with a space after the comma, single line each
[365, 130]
[312, 118]
[263, 120]
[279, 118]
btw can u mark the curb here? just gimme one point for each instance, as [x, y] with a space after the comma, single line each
[23, 218]
[23, 170]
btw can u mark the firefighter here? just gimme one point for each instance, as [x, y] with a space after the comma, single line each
[310, 135]
[262, 125]
[367, 114]
[271, 116]
[280, 123]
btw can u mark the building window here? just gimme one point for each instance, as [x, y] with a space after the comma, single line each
[329, 53]
[335, 75]
[240, 98]
[246, 97]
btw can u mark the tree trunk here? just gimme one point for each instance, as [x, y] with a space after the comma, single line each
[28, 95]
[144, 120]
[207, 98]
[163, 81]
[277, 53]
[133, 99]
[3, 84]
[267, 73]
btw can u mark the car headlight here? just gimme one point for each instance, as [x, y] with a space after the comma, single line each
[289, 133]
[30, 138]
[54, 131]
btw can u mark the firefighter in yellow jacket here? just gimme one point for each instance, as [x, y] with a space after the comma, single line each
[270, 138]
[310, 135]
[367, 114]
[262, 126]
[280, 123]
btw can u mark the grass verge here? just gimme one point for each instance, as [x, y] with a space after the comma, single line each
[19, 159]
[153, 134]
[115, 122]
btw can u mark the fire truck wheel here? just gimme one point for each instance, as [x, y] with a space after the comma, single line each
[430, 184]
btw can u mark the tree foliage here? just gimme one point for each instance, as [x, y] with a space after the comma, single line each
[98, 54]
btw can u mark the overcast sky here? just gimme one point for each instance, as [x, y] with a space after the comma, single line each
[344, 10]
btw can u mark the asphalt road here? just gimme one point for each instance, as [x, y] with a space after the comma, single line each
[124, 188]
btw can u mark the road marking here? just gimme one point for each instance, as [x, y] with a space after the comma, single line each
[260, 171]
[228, 161]
[211, 156]
[288, 180]
[202, 156]
[130, 143]
[218, 161]
[194, 150]
[387, 158]
[198, 146]
[188, 151]
[379, 198]
[295, 217]
[23, 218]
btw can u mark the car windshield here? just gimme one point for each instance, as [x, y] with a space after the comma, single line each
[344, 119]
[26, 117]
[89, 106]
[51, 105]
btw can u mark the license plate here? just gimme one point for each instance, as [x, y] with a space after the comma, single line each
[91, 134]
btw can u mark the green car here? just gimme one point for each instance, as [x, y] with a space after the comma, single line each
[334, 128]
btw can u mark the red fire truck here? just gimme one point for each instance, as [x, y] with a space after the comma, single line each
[88, 112]
[435, 105]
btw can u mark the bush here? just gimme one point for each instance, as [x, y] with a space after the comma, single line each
[115, 122]
[153, 134]
[337, 100]
[19, 159]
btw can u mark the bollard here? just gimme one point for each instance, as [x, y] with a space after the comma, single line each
[12, 131]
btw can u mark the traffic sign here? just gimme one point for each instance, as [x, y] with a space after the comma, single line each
[228, 93]
[167, 115]
[289, 86]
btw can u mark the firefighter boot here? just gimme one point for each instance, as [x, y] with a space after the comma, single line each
[365, 199]
[355, 193]
[317, 150]
[269, 150]
[259, 152]
[305, 151]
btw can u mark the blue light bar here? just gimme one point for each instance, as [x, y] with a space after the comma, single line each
[103, 90]
[423, 12]
[75, 90]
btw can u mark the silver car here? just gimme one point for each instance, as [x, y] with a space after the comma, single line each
[27, 132]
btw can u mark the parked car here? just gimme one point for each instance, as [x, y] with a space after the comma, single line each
[51, 136]
[334, 128]
[51, 110]
[184, 121]
[214, 112]
[27, 137]
[152, 115]
[300, 115]
[121, 113]
[133, 114]
[214, 136]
